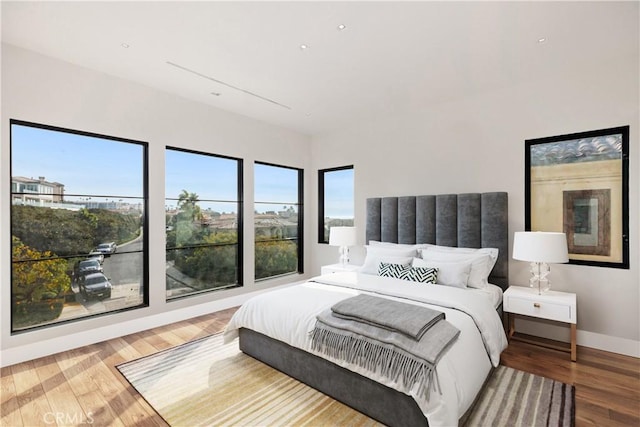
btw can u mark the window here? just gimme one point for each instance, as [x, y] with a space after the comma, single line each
[278, 220]
[335, 200]
[78, 225]
[203, 222]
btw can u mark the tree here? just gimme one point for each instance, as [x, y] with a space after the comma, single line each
[35, 276]
[189, 212]
[213, 264]
[275, 257]
[114, 226]
[69, 233]
[60, 231]
[188, 204]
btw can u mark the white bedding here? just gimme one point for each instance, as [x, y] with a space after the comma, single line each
[289, 315]
[494, 292]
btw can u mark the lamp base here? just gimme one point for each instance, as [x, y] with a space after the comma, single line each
[540, 277]
[344, 255]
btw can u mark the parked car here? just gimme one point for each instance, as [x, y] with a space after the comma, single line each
[97, 255]
[87, 266]
[95, 285]
[107, 248]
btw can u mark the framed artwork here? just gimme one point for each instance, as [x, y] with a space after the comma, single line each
[579, 184]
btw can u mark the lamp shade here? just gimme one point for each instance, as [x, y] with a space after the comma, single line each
[342, 236]
[540, 246]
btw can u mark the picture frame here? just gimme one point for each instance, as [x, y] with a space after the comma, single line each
[579, 184]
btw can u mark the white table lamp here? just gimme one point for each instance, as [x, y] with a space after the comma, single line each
[343, 237]
[540, 248]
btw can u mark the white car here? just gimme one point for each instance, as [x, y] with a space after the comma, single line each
[97, 255]
[107, 248]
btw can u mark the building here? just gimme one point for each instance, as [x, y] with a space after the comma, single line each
[39, 192]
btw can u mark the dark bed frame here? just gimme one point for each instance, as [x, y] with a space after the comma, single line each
[473, 220]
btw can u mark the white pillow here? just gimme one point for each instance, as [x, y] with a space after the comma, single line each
[449, 273]
[481, 264]
[393, 255]
[492, 252]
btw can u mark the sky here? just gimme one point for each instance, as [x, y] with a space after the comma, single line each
[275, 184]
[93, 166]
[85, 165]
[338, 190]
[210, 177]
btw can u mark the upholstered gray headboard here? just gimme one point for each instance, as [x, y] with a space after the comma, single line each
[471, 220]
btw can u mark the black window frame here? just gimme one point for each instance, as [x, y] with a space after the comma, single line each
[145, 223]
[240, 221]
[300, 205]
[321, 199]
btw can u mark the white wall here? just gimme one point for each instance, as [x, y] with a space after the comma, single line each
[40, 89]
[477, 144]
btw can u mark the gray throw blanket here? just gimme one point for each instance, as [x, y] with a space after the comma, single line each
[409, 319]
[382, 351]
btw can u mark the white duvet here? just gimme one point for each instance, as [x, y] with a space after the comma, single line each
[289, 315]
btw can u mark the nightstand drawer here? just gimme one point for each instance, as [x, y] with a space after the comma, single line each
[537, 308]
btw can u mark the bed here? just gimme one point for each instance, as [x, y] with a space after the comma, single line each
[275, 327]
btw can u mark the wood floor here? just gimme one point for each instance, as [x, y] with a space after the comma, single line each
[83, 387]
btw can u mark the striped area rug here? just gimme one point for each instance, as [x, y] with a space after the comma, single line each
[206, 383]
[517, 398]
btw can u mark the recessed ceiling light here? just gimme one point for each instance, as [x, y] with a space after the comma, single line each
[542, 39]
[304, 47]
[125, 45]
[341, 27]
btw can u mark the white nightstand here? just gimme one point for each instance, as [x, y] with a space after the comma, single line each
[338, 268]
[551, 305]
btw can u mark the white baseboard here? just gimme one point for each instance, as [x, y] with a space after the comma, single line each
[608, 343]
[48, 347]
[584, 338]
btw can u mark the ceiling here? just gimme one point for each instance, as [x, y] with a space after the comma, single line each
[246, 57]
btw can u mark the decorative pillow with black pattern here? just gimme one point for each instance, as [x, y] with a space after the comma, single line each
[423, 274]
[406, 272]
[397, 271]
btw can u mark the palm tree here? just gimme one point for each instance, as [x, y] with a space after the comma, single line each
[187, 203]
[185, 221]
[186, 197]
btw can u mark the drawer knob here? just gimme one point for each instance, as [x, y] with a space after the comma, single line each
[536, 305]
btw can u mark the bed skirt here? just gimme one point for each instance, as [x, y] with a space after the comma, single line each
[373, 399]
